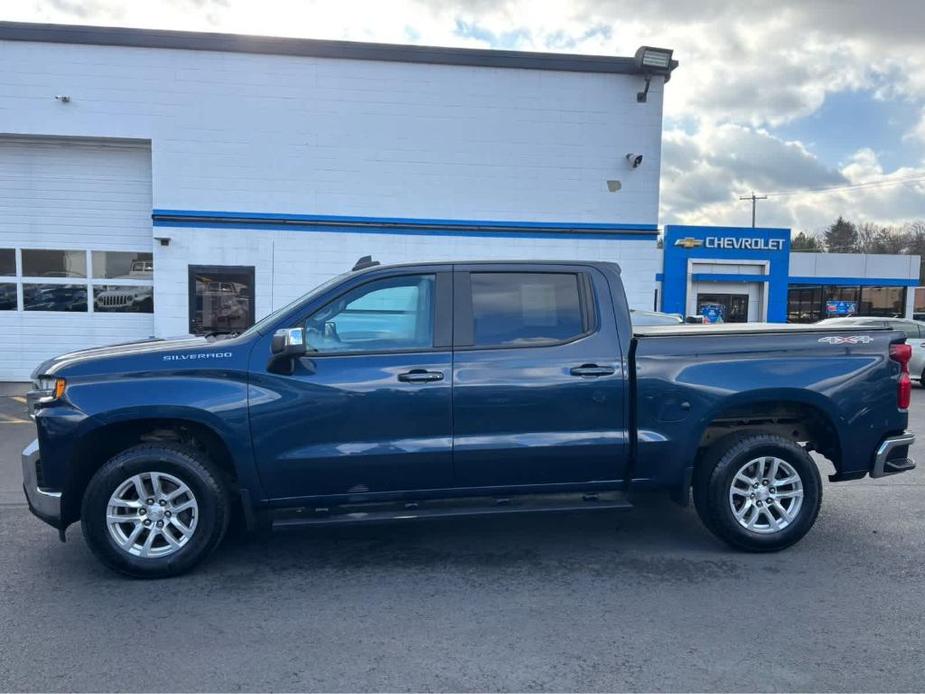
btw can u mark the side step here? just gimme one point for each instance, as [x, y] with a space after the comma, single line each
[449, 508]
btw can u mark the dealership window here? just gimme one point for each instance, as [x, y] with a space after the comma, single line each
[918, 310]
[46, 263]
[132, 291]
[804, 304]
[7, 289]
[733, 307]
[122, 265]
[58, 281]
[117, 298]
[7, 262]
[68, 298]
[221, 299]
[7, 296]
[882, 301]
[808, 303]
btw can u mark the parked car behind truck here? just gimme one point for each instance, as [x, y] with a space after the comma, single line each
[451, 389]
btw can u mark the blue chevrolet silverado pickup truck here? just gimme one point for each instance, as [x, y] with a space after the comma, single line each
[453, 389]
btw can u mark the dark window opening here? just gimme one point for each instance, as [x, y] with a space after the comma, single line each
[808, 303]
[734, 307]
[221, 298]
[7, 296]
[7, 262]
[70, 298]
[42, 263]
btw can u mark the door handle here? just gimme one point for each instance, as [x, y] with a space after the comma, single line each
[591, 370]
[420, 376]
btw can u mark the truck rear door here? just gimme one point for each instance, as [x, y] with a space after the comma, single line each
[539, 389]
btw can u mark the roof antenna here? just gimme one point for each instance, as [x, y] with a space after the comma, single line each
[365, 262]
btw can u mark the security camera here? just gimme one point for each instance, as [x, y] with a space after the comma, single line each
[634, 159]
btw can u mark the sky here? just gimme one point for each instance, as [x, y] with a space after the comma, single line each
[818, 103]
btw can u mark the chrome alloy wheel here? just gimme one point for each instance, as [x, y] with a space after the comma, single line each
[152, 514]
[766, 495]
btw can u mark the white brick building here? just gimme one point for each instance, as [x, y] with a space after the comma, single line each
[227, 175]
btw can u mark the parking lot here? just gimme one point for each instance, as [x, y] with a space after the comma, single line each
[642, 600]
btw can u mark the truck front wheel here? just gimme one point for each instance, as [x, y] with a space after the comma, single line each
[155, 510]
[757, 491]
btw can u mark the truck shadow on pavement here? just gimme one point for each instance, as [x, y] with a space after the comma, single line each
[657, 536]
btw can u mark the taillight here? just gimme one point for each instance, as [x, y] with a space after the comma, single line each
[902, 353]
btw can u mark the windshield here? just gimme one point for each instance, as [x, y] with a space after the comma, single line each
[272, 317]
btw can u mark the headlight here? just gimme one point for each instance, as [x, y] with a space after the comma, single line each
[49, 388]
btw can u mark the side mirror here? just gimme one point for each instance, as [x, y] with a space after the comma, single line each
[287, 345]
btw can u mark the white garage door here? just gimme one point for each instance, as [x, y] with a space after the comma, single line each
[75, 248]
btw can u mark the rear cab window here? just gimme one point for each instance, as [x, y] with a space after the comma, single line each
[525, 309]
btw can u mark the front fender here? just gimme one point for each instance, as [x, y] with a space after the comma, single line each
[217, 401]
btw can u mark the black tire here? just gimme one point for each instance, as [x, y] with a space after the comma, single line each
[714, 477]
[189, 465]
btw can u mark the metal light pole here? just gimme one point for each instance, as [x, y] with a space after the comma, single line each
[754, 198]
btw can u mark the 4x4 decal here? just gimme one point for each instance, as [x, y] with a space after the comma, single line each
[847, 339]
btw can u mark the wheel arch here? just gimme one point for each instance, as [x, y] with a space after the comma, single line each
[100, 444]
[799, 415]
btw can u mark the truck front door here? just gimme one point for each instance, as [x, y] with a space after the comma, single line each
[368, 408]
[539, 389]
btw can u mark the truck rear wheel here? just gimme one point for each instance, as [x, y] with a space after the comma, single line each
[757, 491]
[155, 510]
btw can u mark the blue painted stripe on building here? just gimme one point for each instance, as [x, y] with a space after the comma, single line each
[727, 277]
[421, 231]
[398, 225]
[857, 281]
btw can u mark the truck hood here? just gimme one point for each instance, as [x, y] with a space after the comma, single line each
[153, 344]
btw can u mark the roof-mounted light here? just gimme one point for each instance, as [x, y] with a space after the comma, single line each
[656, 60]
[653, 61]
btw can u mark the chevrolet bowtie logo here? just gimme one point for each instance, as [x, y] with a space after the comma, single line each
[688, 242]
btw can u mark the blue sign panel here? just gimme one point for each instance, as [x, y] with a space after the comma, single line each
[685, 245]
[840, 308]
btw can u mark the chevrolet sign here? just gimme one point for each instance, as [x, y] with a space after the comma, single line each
[732, 243]
[745, 244]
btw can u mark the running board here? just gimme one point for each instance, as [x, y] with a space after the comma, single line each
[348, 514]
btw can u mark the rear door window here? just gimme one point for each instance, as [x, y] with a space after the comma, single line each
[523, 309]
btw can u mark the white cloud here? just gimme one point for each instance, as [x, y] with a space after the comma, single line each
[704, 175]
[746, 67]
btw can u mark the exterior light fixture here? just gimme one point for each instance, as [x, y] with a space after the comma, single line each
[164, 240]
[653, 61]
[63, 98]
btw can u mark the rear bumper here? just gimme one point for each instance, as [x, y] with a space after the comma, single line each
[892, 455]
[44, 503]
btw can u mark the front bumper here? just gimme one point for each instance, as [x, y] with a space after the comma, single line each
[892, 455]
[44, 503]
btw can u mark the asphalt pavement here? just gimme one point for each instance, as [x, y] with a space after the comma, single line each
[644, 600]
